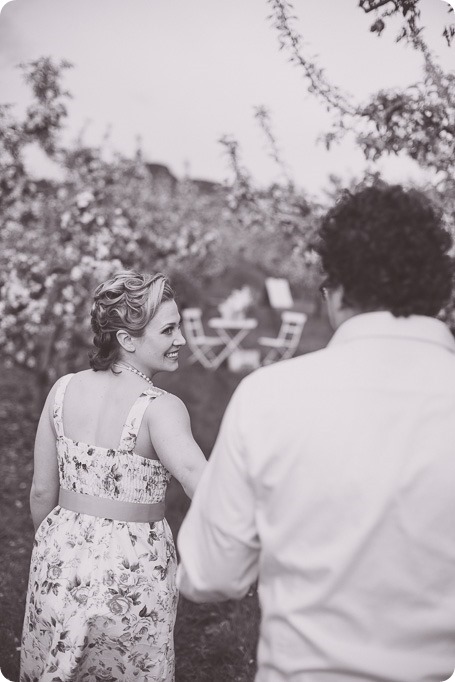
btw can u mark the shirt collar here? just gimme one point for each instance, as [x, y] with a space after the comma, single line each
[385, 325]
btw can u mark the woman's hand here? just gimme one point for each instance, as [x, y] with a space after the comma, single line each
[170, 432]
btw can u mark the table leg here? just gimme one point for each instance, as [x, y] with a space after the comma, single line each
[232, 344]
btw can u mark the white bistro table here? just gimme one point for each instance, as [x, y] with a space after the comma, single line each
[231, 332]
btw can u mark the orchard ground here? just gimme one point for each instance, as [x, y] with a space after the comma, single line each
[213, 641]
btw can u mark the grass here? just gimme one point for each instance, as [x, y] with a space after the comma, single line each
[213, 641]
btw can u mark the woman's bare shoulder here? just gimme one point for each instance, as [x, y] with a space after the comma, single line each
[88, 380]
[166, 405]
[88, 376]
[79, 384]
[50, 399]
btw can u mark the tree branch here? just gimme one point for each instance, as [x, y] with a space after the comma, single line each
[291, 39]
[372, 6]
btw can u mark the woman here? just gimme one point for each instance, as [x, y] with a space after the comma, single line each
[102, 597]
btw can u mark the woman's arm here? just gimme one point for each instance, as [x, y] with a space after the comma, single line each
[45, 484]
[170, 432]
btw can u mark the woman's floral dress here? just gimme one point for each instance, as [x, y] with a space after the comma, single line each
[102, 595]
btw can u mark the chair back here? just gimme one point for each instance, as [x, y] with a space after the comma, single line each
[279, 293]
[192, 324]
[291, 328]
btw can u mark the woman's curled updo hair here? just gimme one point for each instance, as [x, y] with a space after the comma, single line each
[127, 301]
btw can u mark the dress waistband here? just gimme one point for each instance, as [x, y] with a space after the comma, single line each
[116, 510]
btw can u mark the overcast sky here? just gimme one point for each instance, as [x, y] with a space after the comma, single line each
[181, 73]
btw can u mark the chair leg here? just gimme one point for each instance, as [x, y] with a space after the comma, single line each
[270, 357]
[206, 359]
[289, 352]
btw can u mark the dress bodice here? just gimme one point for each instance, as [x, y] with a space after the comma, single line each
[117, 474]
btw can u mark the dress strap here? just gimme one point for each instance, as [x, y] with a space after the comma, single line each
[58, 403]
[134, 419]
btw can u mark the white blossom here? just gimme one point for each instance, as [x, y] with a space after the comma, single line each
[83, 199]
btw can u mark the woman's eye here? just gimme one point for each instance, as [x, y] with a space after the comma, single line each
[170, 329]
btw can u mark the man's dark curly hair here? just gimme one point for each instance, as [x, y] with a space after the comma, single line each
[388, 249]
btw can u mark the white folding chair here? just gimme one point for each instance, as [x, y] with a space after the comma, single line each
[279, 293]
[201, 346]
[285, 344]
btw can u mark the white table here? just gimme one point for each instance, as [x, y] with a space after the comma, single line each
[232, 333]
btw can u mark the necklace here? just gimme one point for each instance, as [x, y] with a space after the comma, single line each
[130, 368]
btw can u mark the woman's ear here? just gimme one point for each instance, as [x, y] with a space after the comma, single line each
[125, 340]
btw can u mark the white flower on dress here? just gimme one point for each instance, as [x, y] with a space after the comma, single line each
[119, 605]
[109, 578]
[80, 594]
[54, 571]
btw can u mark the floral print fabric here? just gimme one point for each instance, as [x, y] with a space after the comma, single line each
[102, 596]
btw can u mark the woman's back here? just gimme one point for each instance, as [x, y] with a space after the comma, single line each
[96, 407]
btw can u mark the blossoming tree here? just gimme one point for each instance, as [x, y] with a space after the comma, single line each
[59, 239]
[417, 121]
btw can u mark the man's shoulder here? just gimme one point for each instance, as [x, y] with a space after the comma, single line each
[279, 376]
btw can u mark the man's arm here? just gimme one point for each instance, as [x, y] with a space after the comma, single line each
[218, 540]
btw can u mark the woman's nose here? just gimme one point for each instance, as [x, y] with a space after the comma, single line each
[179, 339]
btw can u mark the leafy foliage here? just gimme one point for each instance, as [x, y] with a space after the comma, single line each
[409, 10]
[59, 239]
[275, 227]
[418, 121]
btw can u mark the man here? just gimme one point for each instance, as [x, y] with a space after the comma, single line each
[333, 477]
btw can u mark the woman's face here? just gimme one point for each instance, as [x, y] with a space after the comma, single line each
[157, 350]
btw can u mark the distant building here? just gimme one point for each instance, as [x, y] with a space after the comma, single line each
[163, 176]
[206, 186]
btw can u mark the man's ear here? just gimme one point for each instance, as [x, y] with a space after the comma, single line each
[336, 299]
[337, 310]
[125, 340]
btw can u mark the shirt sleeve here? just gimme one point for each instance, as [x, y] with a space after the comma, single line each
[218, 541]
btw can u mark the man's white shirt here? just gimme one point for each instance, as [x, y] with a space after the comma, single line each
[332, 481]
